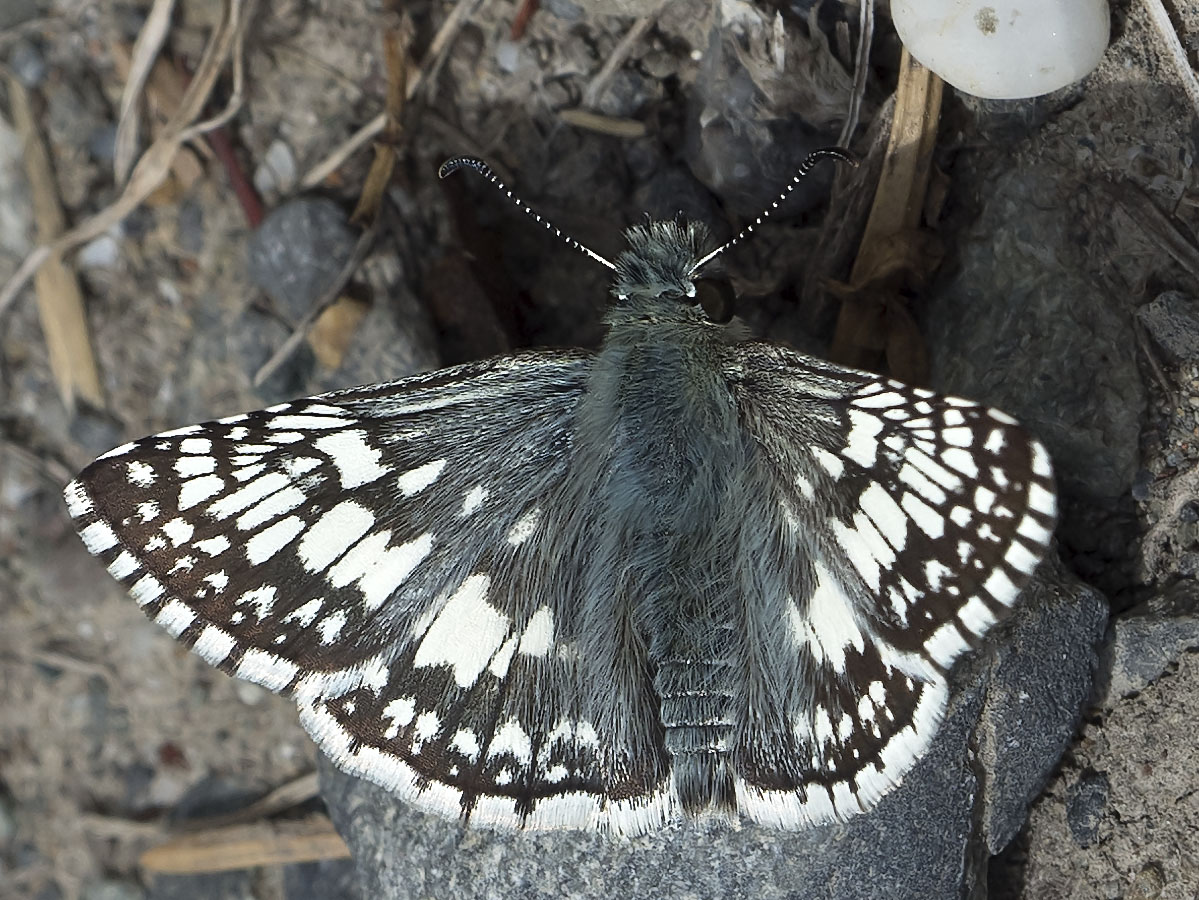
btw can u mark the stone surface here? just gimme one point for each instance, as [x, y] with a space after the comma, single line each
[1172, 318]
[1146, 640]
[1022, 321]
[1086, 802]
[1144, 831]
[1041, 677]
[752, 119]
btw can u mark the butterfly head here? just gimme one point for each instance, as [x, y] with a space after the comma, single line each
[660, 261]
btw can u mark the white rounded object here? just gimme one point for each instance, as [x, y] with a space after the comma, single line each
[1005, 49]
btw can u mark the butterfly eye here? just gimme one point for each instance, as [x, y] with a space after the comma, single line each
[716, 297]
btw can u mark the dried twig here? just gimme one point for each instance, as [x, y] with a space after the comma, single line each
[145, 51]
[521, 20]
[155, 163]
[860, 71]
[613, 125]
[440, 45]
[620, 55]
[248, 846]
[67, 663]
[59, 298]
[396, 37]
[898, 204]
[163, 91]
[243, 188]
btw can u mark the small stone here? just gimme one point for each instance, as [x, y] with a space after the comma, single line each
[8, 817]
[1148, 883]
[110, 889]
[276, 173]
[298, 251]
[100, 253]
[1146, 639]
[249, 694]
[507, 56]
[563, 9]
[190, 225]
[101, 143]
[1141, 483]
[1188, 564]
[27, 63]
[1086, 800]
[1172, 319]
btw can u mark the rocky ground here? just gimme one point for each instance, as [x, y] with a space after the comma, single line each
[1067, 294]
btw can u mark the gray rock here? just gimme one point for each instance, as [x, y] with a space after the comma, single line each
[929, 838]
[14, 12]
[1144, 641]
[27, 62]
[1023, 323]
[1086, 802]
[112, 889]
[1041, 677]
[237, 885]
[329, 879]
[298, 251]
[1173, 320]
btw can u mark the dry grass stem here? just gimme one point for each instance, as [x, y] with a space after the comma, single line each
[861, 70]
[141, 62]
[247, 846]
[59, 298]
[861, 333]
[593, 121]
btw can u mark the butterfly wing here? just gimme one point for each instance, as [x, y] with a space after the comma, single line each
[366, 552]
[904, 525]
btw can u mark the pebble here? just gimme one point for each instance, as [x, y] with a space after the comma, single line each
[27, 63]
[276, 173]
[1086, 799]
[100, 253]
[507, 56]
[1002, 49]
[298, 251]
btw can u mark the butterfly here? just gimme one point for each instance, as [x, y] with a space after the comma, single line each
[688, 574]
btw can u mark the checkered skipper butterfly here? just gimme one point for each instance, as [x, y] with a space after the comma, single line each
[691, 572]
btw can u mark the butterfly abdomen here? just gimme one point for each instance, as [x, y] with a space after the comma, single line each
[678, 459]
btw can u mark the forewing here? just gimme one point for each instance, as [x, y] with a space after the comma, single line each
[362, 551]
[903, 525]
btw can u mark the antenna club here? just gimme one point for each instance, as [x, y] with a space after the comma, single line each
[450, 166]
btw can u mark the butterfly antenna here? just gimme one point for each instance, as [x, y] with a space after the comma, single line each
[470, 162]
[804, 168]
